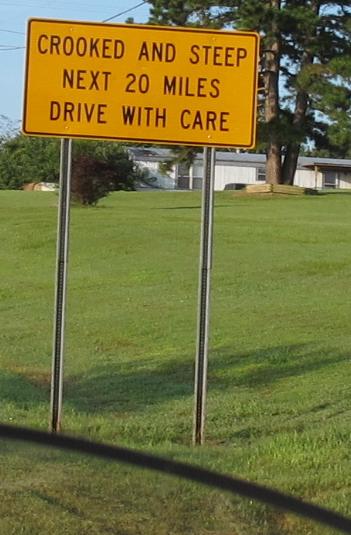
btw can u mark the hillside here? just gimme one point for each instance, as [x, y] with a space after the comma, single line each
[279, 398]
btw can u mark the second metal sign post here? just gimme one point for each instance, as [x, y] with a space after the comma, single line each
[204, 295]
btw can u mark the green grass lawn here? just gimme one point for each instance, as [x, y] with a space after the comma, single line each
[279, 396]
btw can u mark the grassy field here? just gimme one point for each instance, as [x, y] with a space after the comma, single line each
[279, 399]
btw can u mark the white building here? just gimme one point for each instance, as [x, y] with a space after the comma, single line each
[235, 170]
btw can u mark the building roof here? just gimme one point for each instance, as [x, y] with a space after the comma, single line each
[328, 164]
[258, 160]
[241, 159]
[150, 154]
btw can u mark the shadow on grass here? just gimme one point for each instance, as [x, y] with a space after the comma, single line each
[191, 207]
[19, 389]
[198, 207]
[57, 503]
[136, 386]
[267, 366]
[113, 388]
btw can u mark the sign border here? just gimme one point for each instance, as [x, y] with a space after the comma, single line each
[180, 29]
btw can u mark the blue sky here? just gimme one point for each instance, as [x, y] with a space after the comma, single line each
[14, 15]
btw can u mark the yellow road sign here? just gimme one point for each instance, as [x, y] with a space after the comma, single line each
[141, 83]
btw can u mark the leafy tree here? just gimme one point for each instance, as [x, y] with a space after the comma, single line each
[8, 128]
[305, 44]
[34, 159]
[180, 155]
[125, 174]
[28, 159]
[331, 93]
[91, 179]
[101, 167]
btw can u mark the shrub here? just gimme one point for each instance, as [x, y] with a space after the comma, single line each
[92, 179]
[101, 167]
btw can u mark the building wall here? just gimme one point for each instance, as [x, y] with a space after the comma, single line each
[345, 180]
[154, 167]
[311, 179]
[227, 174]
[307, 178]
[164, 181]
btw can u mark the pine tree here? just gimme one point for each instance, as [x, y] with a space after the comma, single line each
[305, 46]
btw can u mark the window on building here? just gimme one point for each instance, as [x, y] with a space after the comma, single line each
[330, 179]
[183, 176]
[183, 182]
[197, 182]
[261, 174]
[197, 176]
[189, 177]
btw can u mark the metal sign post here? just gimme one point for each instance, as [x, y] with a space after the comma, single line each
[130, 82]
[204, 296]
[61, 284]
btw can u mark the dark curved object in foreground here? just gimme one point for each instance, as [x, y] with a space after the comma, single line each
[187, 471]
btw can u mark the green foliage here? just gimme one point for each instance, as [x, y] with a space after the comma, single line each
[101, 167]
[177, 12]
[8, 128]
[28, 159]
[123, 173]
[91, 180]
[331, 94]
[180, 155]
[313, 41]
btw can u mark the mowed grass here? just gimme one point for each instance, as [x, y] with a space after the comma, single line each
[279, 389]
